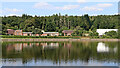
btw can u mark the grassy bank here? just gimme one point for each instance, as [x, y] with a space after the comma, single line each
[64, 37]
[7, 38]
[60, 37]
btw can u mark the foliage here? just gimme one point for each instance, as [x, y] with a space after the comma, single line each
[93, 34]
[78, 31]
[111, 34]
[37, 31]
[58, 22]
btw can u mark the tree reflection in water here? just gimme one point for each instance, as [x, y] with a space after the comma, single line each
[58, 52]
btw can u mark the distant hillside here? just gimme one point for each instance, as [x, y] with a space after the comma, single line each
[57, 22]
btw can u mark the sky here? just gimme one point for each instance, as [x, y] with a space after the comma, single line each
[44, 8]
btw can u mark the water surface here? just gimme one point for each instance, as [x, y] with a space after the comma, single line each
[60, 54]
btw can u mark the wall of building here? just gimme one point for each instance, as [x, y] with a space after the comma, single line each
[44, 35]
[50, 34]
[102, 31]
[18, 32]
[25, 35]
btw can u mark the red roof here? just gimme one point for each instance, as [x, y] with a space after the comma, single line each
[10, 31]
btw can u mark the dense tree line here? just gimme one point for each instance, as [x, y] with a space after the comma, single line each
[58, 22]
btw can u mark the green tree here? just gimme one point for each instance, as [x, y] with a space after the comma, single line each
[112, 34]
[50, 27]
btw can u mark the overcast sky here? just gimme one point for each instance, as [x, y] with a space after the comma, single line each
[45, 8]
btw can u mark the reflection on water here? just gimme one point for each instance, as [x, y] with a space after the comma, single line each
[103, 48]
[0, 62]
[60, 53]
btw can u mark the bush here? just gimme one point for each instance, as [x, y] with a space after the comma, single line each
[111, 34]
[95, 37]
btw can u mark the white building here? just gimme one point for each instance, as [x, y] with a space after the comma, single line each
[102, 31]
[50, 34]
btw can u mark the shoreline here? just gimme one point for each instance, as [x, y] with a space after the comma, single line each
[51, 39]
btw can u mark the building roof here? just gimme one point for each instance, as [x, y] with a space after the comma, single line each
[50, 32]
[10, 31]
[18, 30]
[27, 32]
[102, 31]
[67, 31]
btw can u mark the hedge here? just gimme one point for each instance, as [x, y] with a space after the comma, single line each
[12, 36]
